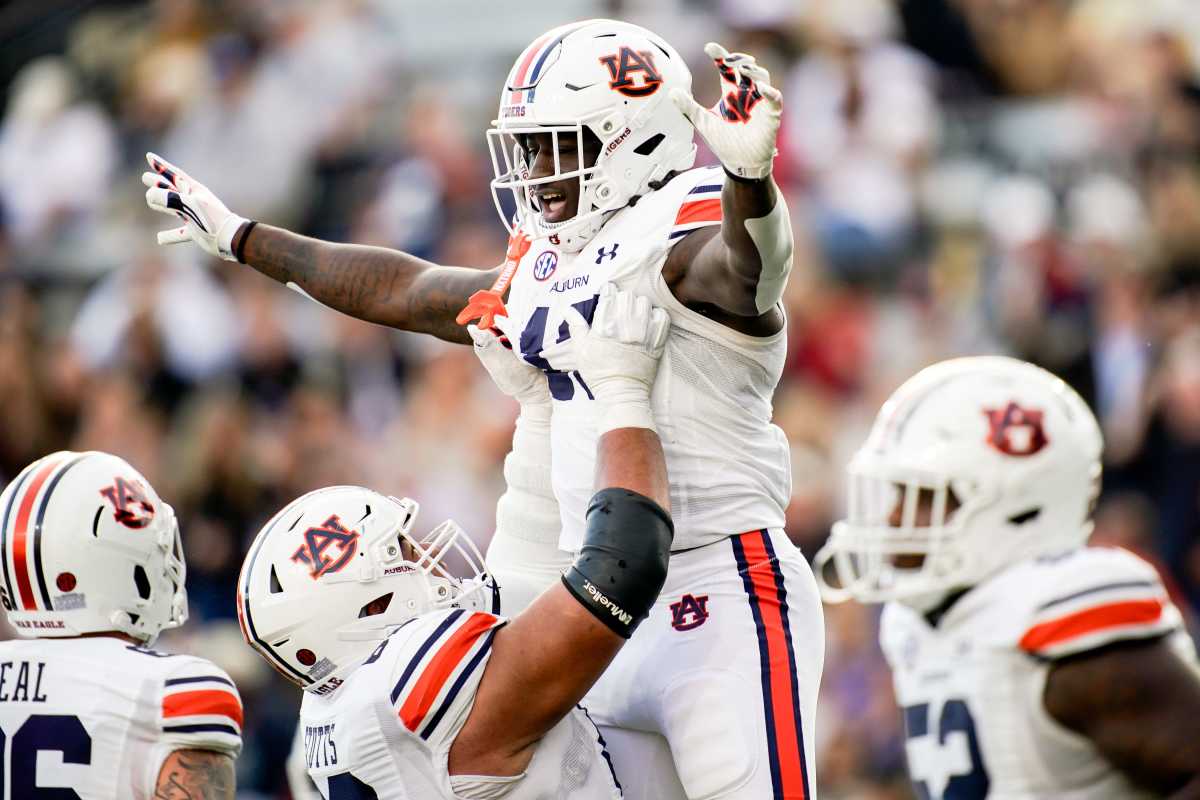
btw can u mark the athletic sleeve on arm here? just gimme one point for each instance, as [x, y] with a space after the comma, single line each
[700, 206]
[200, 708]
[1093, 598]
[437, 670]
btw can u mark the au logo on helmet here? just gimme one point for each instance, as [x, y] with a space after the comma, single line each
[625, 64]
[330, 534]
[131, 507]
[1015, 431]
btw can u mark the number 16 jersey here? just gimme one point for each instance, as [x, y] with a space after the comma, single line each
[96, 717]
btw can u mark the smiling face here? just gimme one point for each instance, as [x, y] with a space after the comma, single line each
[557, 201]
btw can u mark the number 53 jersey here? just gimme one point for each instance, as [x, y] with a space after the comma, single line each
[95, 718]
[729, 466]
[971, 687]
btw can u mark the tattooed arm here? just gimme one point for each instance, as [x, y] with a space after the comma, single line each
[375, 284]
[1138, 703]
[196, 775]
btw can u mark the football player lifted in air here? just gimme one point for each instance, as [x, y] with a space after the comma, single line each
[413, 686]
[594, 143]
[92, 572]
[1027, 664]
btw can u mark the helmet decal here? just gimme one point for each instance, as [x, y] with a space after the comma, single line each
[131, 508]
[1015, 431]
[626, 63]
[318, 539]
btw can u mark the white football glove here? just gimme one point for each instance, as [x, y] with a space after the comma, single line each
[617, 355]
[741, 128]
[206, 220]
[512, 374]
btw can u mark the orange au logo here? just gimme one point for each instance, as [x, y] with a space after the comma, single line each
[327, 548]
[1015, 431]
[131, 508]
[627, 63]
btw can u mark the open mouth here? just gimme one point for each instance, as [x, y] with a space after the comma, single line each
[552, 201]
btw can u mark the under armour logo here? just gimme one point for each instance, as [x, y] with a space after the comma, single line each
[690, 612]
[601, 255]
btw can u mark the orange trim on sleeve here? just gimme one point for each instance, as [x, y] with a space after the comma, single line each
[1091, 620]
[440, 667]
[699, 211]
[203, 702]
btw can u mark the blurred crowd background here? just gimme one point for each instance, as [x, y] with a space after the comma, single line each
[966, 176]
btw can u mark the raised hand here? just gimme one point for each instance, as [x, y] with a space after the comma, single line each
[742, 127]
[206, 220]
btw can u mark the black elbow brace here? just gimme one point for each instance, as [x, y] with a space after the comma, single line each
[623, 563]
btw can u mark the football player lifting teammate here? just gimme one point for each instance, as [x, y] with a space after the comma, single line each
[594, 145]
[414, 687]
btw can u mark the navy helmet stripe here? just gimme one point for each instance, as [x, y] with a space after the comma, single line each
[423, 649]
[262, 646]
[19, 484]
[777, 573]
[37, 531]
[472, 665]
[531, 81]
[743, 566]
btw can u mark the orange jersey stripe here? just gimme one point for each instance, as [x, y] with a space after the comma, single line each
[1091, 620]
[440, 667]
[21, 534]
[699, 211]
[783, 701]
[203, 701]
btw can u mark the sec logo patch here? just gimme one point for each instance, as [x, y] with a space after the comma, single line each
[545, 264]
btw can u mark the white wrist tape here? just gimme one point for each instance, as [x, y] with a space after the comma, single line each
[626, 404]
[772, 236]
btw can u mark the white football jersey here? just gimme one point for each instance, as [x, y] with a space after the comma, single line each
[971, 687]
[730, 467]
[98, 716]
[386, 731]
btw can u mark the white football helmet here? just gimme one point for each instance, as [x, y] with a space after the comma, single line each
[89, 547]
[613, 79]
[317, 566]
[1016, 448]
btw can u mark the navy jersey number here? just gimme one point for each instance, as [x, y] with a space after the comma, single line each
[44, 732]
[945, 763]
[345, 786]
[533, 339]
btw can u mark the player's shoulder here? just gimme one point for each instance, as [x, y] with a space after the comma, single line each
[199, 705]
[434, 662]
[1082, 599]
[898, 625]
[689, 201]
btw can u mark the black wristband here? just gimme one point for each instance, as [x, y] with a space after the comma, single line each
[242, 236]
[623, 562]
[736, 179]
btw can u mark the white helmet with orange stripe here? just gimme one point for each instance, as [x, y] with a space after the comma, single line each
[337, 570]
[89, 547]
[972, 465]
[598, 78]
